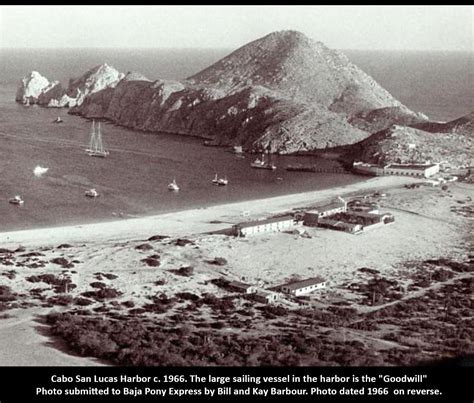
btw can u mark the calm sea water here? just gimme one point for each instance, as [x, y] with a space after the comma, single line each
[133, 179]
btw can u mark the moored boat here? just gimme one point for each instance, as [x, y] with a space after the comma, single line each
[92, 193]
[260, 163]
[16, 200]
[223, 181]
[173, 186]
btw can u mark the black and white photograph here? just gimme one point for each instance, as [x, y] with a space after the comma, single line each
[236, 186]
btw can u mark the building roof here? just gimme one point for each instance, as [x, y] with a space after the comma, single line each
[264, 294]
[420, 167]
[239, 284]
[347, 225]
[330, 206]
[265, 221]
[369, 215]
[338, 223]
[296, 285]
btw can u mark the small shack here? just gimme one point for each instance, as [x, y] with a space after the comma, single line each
[265, 297]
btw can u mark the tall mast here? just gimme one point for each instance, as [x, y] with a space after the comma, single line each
[99, 140]
[93, 137]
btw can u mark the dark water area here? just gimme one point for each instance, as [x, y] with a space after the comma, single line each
[133, 180]
[439, 84]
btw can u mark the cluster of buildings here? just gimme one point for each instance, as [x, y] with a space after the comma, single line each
[295, 288]
[415, 170]
[354, 218]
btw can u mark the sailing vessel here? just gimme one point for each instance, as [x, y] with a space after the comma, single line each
[16, 200]
[58, 120]
[92, 193]
[96, 148]
[262, 164]
[173, 185]
[215, 181]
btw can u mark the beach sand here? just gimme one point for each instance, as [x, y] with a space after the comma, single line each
[189, 221]
[427, 224]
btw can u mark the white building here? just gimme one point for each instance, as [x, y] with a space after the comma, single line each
[273, 224]
[419, 170]
[302, 287]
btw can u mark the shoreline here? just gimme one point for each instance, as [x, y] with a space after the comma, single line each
[191, 221]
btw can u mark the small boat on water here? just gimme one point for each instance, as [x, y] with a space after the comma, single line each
[173, 185]
[237, 150]
[96, 147]
[16, 200]
[260, 163]
[223, 181]
[58, 120]
[92, 193]
[220, 181]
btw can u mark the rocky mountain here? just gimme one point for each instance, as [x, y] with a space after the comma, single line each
[435, 142]
[283, 92]
[36, 89]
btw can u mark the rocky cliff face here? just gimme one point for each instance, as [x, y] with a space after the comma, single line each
[37, 89]
[283, 92]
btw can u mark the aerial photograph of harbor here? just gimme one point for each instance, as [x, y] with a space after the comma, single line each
[236, 186]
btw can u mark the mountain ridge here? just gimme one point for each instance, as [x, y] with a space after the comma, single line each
[283, 92]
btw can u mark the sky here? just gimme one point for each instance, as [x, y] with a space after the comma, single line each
[340, 27]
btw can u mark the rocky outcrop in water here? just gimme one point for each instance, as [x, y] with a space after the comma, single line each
[32, 87]
[36, 89]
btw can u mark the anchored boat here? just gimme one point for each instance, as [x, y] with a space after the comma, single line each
[92, 193]
[220, 181]
[173, 185]
[16, 200]
[260, 163]
[96, 147]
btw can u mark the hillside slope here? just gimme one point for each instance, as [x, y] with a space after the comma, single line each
[283, 92]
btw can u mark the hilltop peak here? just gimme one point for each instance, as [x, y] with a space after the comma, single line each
[291, 35]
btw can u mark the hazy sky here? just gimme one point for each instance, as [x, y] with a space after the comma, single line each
[341, 27]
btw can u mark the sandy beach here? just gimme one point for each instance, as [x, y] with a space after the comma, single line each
[429, 223]
[189, 221]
